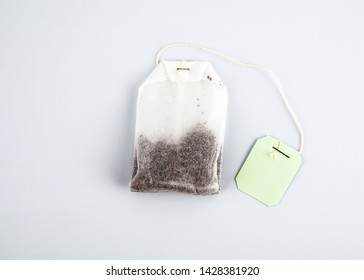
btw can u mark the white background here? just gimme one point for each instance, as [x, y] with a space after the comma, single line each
[69, 74]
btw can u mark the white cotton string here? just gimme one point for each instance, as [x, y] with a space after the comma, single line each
[263, 68]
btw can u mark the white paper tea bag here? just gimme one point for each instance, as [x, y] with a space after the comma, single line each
[179, 131]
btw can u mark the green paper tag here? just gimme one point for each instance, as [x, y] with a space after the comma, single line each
[268, 170]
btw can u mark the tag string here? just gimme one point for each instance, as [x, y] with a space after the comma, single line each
[262, 68]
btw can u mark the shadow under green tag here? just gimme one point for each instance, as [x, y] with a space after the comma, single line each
[268, 170]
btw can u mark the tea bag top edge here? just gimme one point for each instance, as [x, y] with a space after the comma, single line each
[183, 71]
[186, 71]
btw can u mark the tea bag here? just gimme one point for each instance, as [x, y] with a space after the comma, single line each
[180, 128]
[179, 132]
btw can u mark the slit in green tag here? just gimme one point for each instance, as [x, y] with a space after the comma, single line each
[268, 170]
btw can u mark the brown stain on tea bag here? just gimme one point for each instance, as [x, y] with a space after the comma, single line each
[190, 166]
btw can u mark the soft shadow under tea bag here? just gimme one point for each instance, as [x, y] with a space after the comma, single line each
[179, 130]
